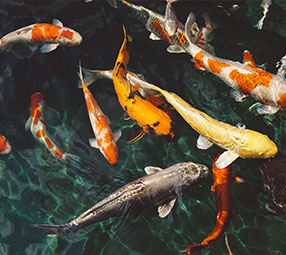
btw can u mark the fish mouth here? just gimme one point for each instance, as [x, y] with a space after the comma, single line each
[204, 171]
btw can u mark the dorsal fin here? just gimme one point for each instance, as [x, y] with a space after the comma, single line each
[247, 59]
[152, 169]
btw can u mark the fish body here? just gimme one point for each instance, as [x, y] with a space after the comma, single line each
[244, 78]
[150, 118]
[238, 142]
[222, 188]
[105, 141]
[168, 28]
[5, 147]
[160, 188]
[50, 36]
[38, 128]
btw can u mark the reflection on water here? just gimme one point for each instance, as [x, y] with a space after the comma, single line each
[37, 188]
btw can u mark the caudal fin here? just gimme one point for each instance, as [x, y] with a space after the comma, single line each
[55, 230]
[90, 76]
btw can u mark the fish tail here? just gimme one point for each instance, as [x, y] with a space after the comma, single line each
[194, 249]
[113, 3]
[90, 76]
[56, 230]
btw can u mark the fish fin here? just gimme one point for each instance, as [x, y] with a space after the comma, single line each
[136, 133]
[58, 23]
[93, 143]
[225, 159]
[152, 169]
[136, 216]
[28, 123]
[238, 179]
[247, 59]
[267, 109]
[112, 3]
[227, 244]
[48, 47]
[166, 208]
[154, 37]
[55, 230]
[190, 22]
[240, 125]
[171, 21]
[90, 76]
[175, 49]
[281, 65]
[204, 143]
[237, 95]
[116, 135]
[142, 84]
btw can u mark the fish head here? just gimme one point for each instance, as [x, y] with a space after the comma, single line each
[191, 173]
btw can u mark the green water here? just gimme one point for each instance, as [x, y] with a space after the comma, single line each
[37, 188]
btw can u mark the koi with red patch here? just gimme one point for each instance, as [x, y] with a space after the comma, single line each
[151, 119]
[168, 28]
[222, 188]
[49, 36]
[245, 79]
[38, 128]
[104, 139]
[5, 147]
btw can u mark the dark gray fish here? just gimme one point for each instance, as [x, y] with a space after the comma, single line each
[160, 187]
[274, 175]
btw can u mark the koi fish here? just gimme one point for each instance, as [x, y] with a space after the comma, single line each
[222, 188]
[5, 147]
[238, 142]
[105, 140]
[245, 79]
[91, 76]
[50, 36]
[170, 29]
[150, 118]
[38, 127]
[160, 187]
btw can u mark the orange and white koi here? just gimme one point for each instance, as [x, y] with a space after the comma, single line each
[104, 139]
[38, 127]
[91, 76]
[222, 188]
[237, 141]
[49, 36]
[5, 147]
[150, 118]
[245, 79]
[168, 28]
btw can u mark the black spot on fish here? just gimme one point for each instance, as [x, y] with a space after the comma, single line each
[156, 124]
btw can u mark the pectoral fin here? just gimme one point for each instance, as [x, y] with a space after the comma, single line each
[152, 169]
[48, 47]
[175, 49]
[28, 123]
[135, 134]
[237, 95]
[225, 159]
[166, 208]
[203, 143]
[116, 135]
[93, 143]
[247, 59]
[58, 23]
[154, 37]
[267, 109]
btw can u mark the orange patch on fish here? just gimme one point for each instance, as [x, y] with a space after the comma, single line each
[158, 27]
[58, 153]
[40, 133]
[247, 59]
[181, 38]
[43, 32]
[66, 34]
[110, 152]
[198, 58]
[49, 143]
[216, 66]
[282, 101]
[247, 82]
[3, 143]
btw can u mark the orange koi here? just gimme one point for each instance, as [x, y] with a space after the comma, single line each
[222, 188]
[5, 147]
[105, 140]
[168, 28]
[245, 79]
[150, 118]
[38, 128]
[50, 36]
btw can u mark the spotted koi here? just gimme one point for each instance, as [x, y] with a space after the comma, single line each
[222, 188]
[5, 147]
[38, 128]
[105, 140]
[245, 79]
[49, 36]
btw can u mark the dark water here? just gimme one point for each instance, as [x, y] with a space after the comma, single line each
[36, 188]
